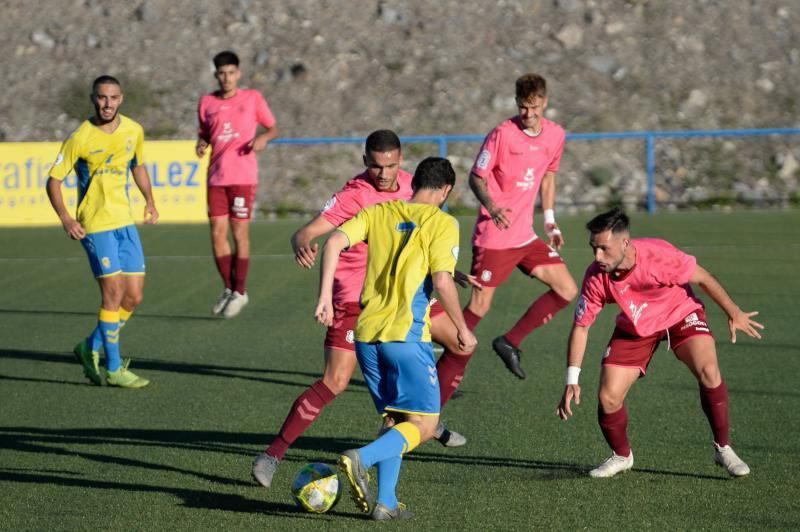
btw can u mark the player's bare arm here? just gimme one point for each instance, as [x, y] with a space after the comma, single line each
[259, 143]
[303, 245]
[142, 180]
[737, 318]
[481, 190]
[576, 348]
[448, 297]
[337, 242]
[548, 195]
[72, 227]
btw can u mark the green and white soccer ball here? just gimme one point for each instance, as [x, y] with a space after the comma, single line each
[316, 488]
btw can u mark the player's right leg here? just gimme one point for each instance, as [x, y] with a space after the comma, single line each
[340, 362]
[240, 210]
[615, 382]
[219, 225]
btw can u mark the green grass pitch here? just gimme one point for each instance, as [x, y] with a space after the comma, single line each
[176, 455]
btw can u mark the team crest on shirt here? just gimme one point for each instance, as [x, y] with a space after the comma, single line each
[106, 262]
[329, 204]
[486, 276]
[580, 308]
[483, 159]
[129, 145]
[349, 337]
[527, 180]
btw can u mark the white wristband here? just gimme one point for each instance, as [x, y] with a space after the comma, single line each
[572, 375]
[549, 216]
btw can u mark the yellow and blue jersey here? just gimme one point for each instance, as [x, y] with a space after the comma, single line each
[407, 243]
[103, 163]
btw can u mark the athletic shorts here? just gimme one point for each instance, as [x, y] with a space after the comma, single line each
[235, 201]
[436, 308]
[115, 251]
[628, 350]
[401, 376]
[340, 334]
[493, 266]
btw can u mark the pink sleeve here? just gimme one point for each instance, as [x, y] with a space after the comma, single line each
[555, 162]
[263, 113]
[487, 157]
[675, 267]
[342, 206]
[591, 300]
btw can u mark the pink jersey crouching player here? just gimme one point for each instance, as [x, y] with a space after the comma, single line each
[382, 181]
[518, 158]
[228, 122]
[650, 281]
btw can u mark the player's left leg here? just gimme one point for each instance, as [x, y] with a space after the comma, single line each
[615, 383]
[699, 353]
[450, 367]
[241, 267]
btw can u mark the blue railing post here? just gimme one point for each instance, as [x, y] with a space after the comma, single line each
[650, 142]
[442, 146]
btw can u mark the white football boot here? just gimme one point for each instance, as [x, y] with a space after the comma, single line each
[725, 457]
[615, 464]
[235, 305]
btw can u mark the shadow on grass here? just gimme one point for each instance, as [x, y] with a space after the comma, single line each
[145, 315]
[192, 498]
[210, 370]
[306, 449]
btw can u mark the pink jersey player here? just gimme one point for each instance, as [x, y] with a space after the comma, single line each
[513, 163]
[650, 280]
[652, 296]
[357, 193]
[229, 125]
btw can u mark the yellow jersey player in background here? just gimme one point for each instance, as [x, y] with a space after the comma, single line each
[105, 152]
[413, 249]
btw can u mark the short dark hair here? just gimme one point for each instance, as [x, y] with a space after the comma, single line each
[433, 173]
[105, 79]
[614, 220]
[226, 58]
[531, 85]
[381, 141]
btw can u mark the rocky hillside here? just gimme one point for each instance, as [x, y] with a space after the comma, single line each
[347, 67]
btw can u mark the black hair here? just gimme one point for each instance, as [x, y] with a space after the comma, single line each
[433, 173]
[614, 220]
[381, 141]
[226, 58]
[104, 80]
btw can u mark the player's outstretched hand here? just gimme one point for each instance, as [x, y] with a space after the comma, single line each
[555, 236]
[743, 321]
[305, 254]
[74, 229]
[150, 213]
[324, 312]
[571, 391]
[499, 217]
[465, 280]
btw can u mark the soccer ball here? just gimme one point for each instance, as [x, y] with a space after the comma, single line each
[316, 488]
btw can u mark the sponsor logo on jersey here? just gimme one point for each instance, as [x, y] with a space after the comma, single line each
[527, 180]
[486, 276]
[329, 204]
[228, 133]
[483, 159]
[580, 308]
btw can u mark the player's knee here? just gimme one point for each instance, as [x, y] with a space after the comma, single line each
[337, 383]
[710, 376]
[480, 306]
[426, 426]
[569, 292]
[609, 402]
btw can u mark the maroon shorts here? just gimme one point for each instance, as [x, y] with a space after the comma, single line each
[493, 266]
[235, 201]
[341, 334]
[628, 350]
[436, 308]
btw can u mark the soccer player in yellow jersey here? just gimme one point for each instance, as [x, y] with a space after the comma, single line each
[413, 249]
[106, 152]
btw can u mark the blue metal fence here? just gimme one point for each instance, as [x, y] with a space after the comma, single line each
[649, 137]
